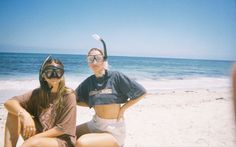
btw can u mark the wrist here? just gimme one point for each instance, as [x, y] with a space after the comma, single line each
[19, 113]
[123, 108]
[22, 113]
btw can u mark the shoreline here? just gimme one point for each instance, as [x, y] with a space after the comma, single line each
[12, 87]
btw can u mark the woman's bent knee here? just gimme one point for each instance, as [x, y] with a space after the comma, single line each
[96, 140]
[36, 142]
[82, 142]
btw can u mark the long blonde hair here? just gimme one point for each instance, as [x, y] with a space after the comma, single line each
[45, 90]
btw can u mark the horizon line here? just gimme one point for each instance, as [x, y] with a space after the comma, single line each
[181, 58]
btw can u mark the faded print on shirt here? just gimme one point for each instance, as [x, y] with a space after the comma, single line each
[47, 117]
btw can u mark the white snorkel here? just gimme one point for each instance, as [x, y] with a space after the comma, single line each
[98, 38]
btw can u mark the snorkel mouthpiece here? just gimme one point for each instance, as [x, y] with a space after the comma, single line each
[98, 38]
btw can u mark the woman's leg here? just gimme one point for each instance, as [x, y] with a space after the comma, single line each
[82, 129]
[234, 89]
[97, 140]
[12, 130]
[41, 142]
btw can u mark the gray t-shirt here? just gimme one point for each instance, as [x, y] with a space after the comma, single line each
[113, 87]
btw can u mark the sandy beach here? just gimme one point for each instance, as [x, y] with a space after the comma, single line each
[196, 117]
[181, 51]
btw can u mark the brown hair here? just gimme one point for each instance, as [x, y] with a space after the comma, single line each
[95, 49]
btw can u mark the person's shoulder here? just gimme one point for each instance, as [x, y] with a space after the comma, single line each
[88, 79]
[68, 92]
[69, 96]
[115, 73]
[234, 70]
[28, 95]
[33, 93]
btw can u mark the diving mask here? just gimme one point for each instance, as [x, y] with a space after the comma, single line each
[91, 58]
[53, 72]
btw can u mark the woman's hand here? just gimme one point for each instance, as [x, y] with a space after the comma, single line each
[27, 123]
[121, 114]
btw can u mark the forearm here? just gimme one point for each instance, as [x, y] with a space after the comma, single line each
[51, 133]
[14, 107]
[132, 102]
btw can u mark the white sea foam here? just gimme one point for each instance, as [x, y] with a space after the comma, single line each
[9, 88]
[12, 87]
[185, 84]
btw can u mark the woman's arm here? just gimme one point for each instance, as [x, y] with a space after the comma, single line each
[14, 107]
[51, 133]
[127, 105]
[234, 88]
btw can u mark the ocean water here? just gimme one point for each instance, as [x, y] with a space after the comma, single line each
[19, 71]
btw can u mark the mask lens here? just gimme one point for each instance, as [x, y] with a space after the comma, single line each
[48, 73]
[59, 73]
[99, 58]
[54, 73]
[91, 58]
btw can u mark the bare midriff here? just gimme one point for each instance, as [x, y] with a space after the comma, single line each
[108, 111]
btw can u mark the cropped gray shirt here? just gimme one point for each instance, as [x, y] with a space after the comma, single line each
[113, 87]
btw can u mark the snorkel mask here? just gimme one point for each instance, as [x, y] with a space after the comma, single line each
[98, 58]
[53, 71]
[51, 68]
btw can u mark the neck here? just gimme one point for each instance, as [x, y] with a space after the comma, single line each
[54, 88]
[100, 74]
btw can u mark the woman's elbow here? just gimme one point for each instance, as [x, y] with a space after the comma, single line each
[143, 95]
[7, 103]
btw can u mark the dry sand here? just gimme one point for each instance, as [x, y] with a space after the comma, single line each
[174, 118]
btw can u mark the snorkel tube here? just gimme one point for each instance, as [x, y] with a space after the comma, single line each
[42, 66]
[98, 38]
[43, 83]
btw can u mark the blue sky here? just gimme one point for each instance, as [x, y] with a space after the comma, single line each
[199, 29]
